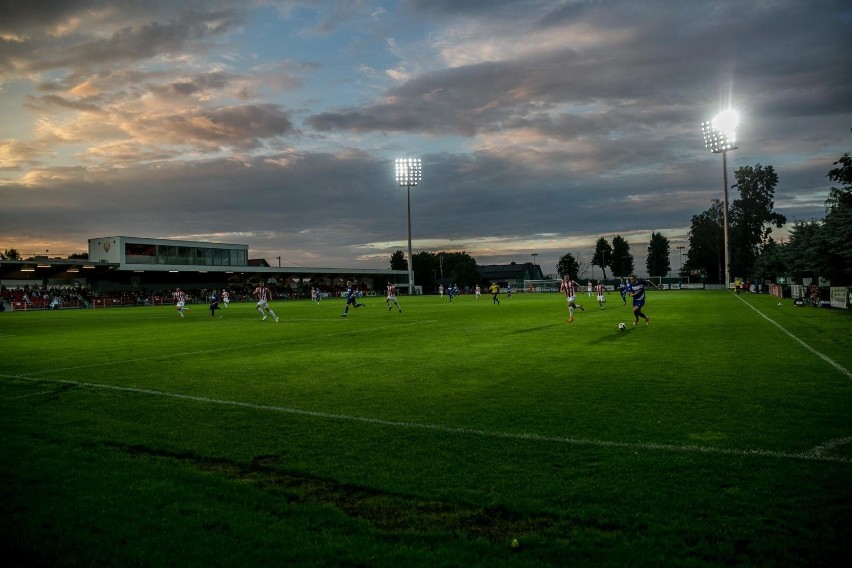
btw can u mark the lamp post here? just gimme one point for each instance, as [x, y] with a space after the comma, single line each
[720, 136]
[409, 173]
[680, 250]
[535, 254]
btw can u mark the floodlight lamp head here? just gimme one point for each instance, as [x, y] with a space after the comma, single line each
[409, 171]
[717, 140]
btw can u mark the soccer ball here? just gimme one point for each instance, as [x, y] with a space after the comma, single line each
[622, 326]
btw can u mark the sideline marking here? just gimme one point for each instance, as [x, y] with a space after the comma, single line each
[814, 454]
[825, 358]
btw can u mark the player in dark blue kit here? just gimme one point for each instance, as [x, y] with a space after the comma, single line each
[623, 286]
[351, 298]
[637, 290]
[214, 303]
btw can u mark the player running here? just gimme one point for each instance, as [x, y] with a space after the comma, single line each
[600, 289]
[569, 288]
[263, 295]
[637, 291]
[351, 298]
[392, 298]
[180, 302]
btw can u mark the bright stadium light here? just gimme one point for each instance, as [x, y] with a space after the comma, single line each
[409, 172]
[720, 136]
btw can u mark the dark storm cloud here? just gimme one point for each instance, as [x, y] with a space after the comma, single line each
[576, 118]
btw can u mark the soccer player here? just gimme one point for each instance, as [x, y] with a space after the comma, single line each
[392, 298]
[569, 287]
[263, 294]
[495, 289]
[214, 303]
[315, 294]
[637, 291]
[180, 301]
[226, 298]
[508, 291]
[478, 291]
[600, 288]
[351, 298]
[441, 290]
[624, 289]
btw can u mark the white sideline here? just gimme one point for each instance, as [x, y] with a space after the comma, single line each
[814, 454]
[825, 358]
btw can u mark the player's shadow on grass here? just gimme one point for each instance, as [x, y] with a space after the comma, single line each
[533, 329]
[619, 334]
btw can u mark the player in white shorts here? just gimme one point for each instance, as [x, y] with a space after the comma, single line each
[392, 298]
[263, 294]
[569, 288]
[600, 288]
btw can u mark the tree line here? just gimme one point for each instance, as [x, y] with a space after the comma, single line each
[815, 248]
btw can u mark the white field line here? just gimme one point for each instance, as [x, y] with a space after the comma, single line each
[815, 454]
[825, 358]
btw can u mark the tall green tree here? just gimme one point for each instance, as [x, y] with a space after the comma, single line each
[398, 261]
[658, 261]
[752, 216]
[568, 266]
[10, 254]
[459, 267]
[706, 244]
[838, 223]
[425, 274]
[603, 255]
[622, 261]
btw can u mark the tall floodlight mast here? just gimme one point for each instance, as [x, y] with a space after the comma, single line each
[720, 136]
[409, 172]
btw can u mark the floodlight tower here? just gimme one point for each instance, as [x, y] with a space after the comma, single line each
[409, 172]
[720, 136]
[680, 249]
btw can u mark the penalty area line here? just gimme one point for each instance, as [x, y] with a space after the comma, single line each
[816, 454]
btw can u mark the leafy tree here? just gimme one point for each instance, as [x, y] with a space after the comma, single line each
[424, 264]
[840, 196]
[622, 261]
[837, 228]
[751, 216]
[568, 266]
[398, 261]
[707, 244]
[10, 254]
[79, 255]
[658, 261]
[772, 261]
[806, 250]
[459, 267]
[603, 255]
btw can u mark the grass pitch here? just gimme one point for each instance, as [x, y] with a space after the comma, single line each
[718, 435]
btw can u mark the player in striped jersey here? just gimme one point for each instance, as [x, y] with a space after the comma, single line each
[263, 295]
[569, 288]
[180, 301]
[600, 289]
[392, 298]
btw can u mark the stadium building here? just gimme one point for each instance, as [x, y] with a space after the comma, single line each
[117, 264]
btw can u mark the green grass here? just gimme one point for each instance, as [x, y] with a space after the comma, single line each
[718, 435]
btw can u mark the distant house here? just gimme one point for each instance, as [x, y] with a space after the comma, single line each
[512, 273]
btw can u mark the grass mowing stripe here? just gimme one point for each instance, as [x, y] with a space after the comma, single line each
[223, 348]
[815, 454]
[825, 358]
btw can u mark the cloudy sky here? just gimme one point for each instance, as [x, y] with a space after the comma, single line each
[542, 125]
